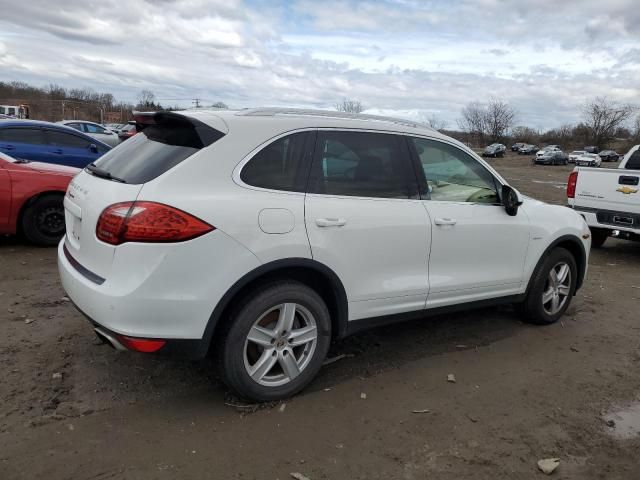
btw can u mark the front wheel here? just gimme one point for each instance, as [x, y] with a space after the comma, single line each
[275, 341]
[552, 286]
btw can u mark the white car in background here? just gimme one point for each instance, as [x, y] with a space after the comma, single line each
[573, 156]
[259, 236]
[94, 130]
[588, 160]
[548, 148]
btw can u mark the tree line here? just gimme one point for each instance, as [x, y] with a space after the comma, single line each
[603, 121]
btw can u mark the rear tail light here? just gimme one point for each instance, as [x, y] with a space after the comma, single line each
[143, 345]
[571, 185]
[148, 222]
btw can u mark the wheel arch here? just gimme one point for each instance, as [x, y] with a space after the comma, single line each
[307, 271]
[575, 247]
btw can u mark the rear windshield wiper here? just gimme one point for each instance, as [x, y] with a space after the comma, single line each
[99, 172]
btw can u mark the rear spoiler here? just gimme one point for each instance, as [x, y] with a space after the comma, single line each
[183, 130]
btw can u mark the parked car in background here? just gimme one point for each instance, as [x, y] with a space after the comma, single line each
[115, 127]
[180, 240]
[588, 160]
[552, 157]
[31, 195]
[548, 148]
[591, 149]
[494, 150]
[608, 198]
[128, 131]
[608, 156]
[573, 156]
[94, 130]
[528, 149]
[49, 143]
[517, 146]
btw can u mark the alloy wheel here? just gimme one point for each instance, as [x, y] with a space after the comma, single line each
[557, 288]
[280, 344]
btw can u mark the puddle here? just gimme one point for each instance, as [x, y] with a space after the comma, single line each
[624, 423]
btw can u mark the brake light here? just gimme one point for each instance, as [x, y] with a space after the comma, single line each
[571, 185]
[143, 345]
[148, 222]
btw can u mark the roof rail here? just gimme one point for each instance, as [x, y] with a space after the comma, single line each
[268, 112]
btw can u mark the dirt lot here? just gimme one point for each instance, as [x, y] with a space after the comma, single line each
[522, 393]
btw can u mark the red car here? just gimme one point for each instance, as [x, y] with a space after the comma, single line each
[31, 195]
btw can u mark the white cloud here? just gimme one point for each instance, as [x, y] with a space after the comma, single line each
[411, 57]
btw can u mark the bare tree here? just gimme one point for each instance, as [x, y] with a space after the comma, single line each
[350, 106]
[602, 117]
[525, 134]
[436, 123]
[473, 121]
[146, 100]
[220, 105]
[499, 117]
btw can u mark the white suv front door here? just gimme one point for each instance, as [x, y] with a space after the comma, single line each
[477, 250]
[365, 221]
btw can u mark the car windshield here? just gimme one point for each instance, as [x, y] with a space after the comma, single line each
[577, 152]
[590, 155]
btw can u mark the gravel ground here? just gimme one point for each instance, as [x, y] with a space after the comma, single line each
[73, 409]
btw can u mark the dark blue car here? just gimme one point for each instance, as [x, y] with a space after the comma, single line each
[49, 143]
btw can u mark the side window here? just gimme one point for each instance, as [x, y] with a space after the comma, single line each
[77, 126]
[90, 128]
[362, 164]
[634, 161]
[453, 175]
[64, 139]
[32, 136]
[281, 165]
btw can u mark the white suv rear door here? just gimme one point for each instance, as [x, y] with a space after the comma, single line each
[365, 221]
[477, 250]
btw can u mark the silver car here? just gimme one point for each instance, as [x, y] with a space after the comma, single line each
[94, 130]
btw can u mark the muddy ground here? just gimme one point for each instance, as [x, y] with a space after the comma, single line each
[72, 409]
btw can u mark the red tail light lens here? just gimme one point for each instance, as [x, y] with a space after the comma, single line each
[143, 345]
[148, 222]
[571, 185]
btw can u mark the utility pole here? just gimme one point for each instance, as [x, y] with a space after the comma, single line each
[63, 110]
[196, 102]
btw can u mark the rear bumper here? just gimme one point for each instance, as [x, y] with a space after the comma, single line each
[607, 219]
[176, 348]
[158, 291]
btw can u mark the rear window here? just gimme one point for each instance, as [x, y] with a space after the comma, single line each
[157, 149]
[634, 161]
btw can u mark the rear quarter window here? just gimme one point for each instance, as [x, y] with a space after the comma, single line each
[634, 161]
[281, 165]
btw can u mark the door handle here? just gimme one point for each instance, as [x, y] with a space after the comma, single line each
[445, 221]
[57, 151]
[330, 222]
[8, 147]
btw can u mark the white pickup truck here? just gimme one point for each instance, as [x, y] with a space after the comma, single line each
[608, 198]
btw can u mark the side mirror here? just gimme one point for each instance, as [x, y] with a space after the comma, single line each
[511, 200]
[93, 147]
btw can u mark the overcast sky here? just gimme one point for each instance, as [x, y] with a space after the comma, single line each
[403, 57]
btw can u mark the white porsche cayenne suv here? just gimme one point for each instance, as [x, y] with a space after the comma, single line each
[259, 236]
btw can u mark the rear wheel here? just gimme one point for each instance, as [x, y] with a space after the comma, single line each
[552, 287]
[43, 220]
[599, 236]
[275, 341]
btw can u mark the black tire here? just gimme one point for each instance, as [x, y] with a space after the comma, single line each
[233, 344]
[599, 236]
[42, 221]
[532, 308]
